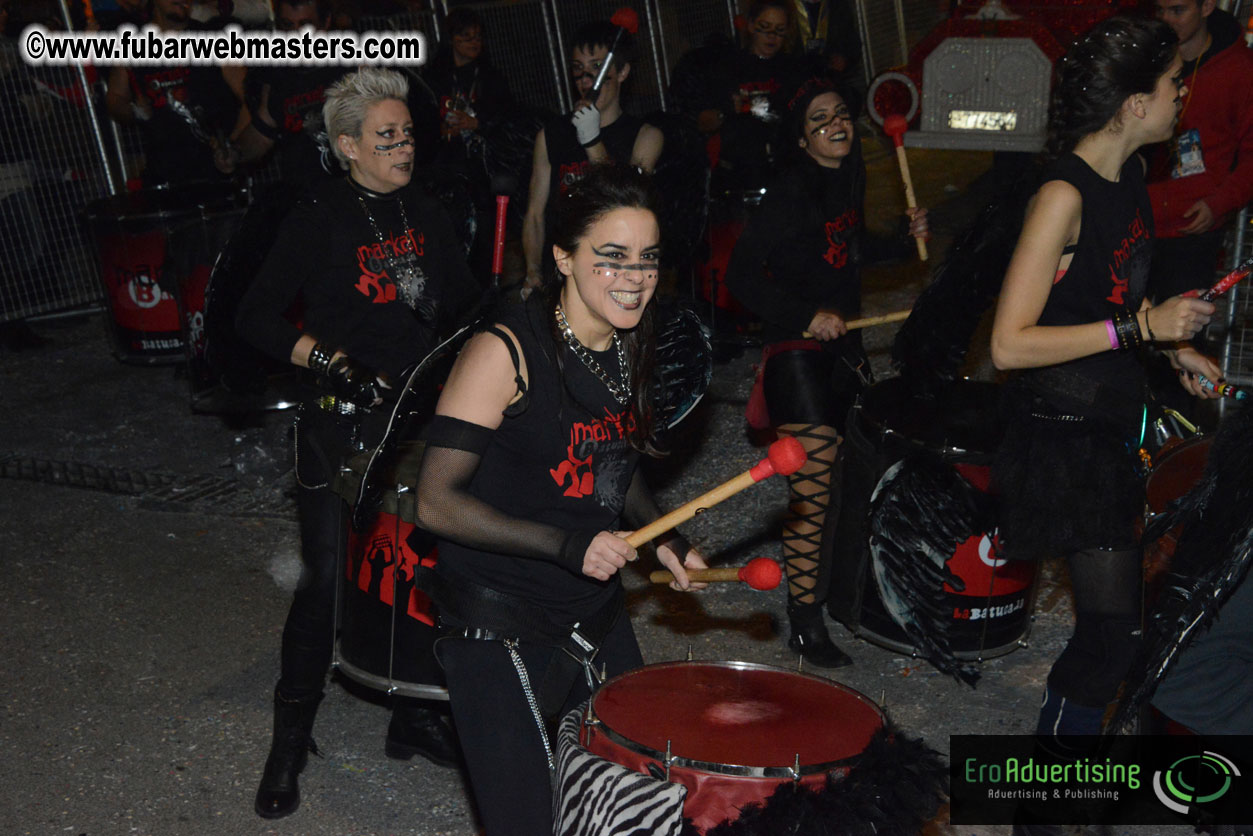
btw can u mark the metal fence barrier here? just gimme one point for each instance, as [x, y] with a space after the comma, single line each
[49, 170]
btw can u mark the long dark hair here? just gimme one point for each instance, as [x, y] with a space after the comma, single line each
[1117, 58]
[605, 188]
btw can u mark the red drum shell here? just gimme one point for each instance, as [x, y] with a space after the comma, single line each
[734, 730]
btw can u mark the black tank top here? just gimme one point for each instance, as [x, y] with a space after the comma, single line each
[568, 160]
[1110, 267]
[564, 461]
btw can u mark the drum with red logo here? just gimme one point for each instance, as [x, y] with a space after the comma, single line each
[959, 422]
[143, 274]
[386, 625]
[730, 732]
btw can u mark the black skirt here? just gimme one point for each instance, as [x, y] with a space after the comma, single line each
[1064, 483]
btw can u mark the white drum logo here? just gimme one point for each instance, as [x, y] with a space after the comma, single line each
[985, 552]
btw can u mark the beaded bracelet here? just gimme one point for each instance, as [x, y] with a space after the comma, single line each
[320, 359]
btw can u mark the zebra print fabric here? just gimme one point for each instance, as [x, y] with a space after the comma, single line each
[595, 797]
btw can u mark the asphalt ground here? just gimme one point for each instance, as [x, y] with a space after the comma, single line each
[150, 553]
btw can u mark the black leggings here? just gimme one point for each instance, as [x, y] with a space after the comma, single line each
[503, 750]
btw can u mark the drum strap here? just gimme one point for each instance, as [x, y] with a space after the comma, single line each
[491, 615]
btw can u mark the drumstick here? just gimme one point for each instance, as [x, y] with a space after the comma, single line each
[626, 20]
[784, 457]
[895, 127]
[866, 322]
[1226, 283]
[498, 244]
[759, 573]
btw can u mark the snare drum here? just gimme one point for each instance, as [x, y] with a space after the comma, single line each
[730, 732]
[386, 626]
[959, 423]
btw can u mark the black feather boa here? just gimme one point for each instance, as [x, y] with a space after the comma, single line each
[895, 788]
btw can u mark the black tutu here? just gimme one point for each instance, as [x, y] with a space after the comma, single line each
[1065, 486]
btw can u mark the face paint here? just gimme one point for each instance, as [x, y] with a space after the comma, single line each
[387, 149]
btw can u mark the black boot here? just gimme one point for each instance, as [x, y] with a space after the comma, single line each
[810, 638]
[418, 730]
[279, 793]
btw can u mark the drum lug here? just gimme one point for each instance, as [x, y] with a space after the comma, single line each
[689, 651]
[795, 769]
[669, 759]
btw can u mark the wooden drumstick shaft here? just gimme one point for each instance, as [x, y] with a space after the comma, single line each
[866, 322]
[910, 200]
[721, 573]
[688, 510]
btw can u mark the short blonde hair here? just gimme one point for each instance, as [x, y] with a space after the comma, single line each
[349, 99]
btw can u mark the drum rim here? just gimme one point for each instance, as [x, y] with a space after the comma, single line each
[737, 770]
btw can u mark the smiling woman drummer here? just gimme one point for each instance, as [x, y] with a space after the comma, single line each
[531, 470]
[377, 273]
[798, 267]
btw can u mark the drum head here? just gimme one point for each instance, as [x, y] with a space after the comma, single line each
[736, 713]
[957, 419]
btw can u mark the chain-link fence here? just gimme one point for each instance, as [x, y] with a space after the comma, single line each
[49, 169]
[890, 28]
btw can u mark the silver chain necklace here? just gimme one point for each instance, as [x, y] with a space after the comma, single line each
[408, 278]
[621, 392]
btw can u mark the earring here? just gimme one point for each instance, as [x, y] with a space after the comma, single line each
[804, 143]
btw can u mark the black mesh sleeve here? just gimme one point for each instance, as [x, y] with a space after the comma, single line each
[640, 508]
[447, 508]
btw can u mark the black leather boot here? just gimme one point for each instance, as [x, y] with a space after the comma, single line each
[416, 729]
[279, 793]
[811, 640]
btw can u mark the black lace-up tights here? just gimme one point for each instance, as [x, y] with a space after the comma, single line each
[809, 491]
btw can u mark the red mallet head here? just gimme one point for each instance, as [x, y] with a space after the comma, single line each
[895, 127]
[761, 573]
[626, 18]
[784, 457]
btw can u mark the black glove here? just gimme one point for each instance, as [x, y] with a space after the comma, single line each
[353, 382]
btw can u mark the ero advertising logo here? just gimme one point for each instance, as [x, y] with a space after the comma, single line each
[1193, 780]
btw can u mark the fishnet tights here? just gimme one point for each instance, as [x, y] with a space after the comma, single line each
[809, 492]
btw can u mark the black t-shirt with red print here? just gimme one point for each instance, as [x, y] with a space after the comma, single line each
[292, 101]
[803, 249]
[381, 301]
[1110, 267]
[564, 461]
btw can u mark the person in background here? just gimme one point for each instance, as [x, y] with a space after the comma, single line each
[798, 267]
[747, 95]
[596, 132]
[376, 268]
[185, 114]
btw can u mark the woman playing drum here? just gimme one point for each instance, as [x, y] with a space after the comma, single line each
[1071, 314]
[531, 467]
[378, 273]
[798, 267]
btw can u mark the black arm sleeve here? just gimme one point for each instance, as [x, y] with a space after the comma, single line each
[294, 257]
[748, 272]
[447, 508]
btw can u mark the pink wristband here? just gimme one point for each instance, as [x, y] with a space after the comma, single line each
[1113, 335]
